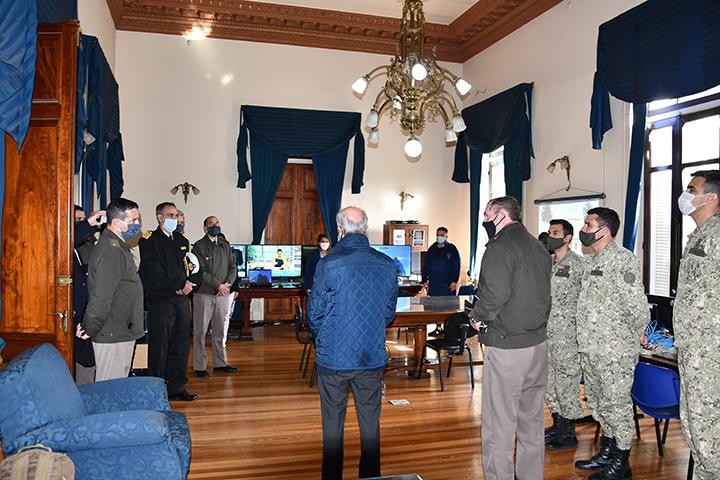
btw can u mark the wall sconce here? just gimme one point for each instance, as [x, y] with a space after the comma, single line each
[185, 188]
[564, 163]
[403, 198]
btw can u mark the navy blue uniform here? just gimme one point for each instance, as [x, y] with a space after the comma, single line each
[441, 268]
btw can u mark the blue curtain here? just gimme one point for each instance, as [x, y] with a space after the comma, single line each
[18, 52]
[503, 119]
[56, 11]
[659, 49]
[98, 113]
[278, 133]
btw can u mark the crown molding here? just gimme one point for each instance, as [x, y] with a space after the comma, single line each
[483, 24]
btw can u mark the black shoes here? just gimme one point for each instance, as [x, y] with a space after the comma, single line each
[564, 437]
[183, 396]
[226, 369]
[601, 458]
[550, 431]
[618, 468]
[201, 373]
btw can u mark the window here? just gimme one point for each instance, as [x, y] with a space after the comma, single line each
[492, 185]
[683, 137]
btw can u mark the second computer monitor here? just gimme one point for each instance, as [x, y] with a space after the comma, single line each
[283, 260]
[400, 254]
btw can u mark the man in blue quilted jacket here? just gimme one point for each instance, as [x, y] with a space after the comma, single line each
[352, 301]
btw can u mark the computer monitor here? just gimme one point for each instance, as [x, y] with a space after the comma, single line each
[401, 255]
[239, 251]
[307, 251]
[283, 260]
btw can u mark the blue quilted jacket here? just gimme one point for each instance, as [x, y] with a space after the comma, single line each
[352, 301]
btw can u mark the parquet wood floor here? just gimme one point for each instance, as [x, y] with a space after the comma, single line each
[264, 423]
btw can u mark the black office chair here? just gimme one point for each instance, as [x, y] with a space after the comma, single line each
[304, 337]
[457, 331]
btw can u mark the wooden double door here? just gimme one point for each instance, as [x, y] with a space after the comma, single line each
[295, 219]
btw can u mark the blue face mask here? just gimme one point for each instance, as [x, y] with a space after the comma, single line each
[214, 231]
[180, 228]
[170, 224]
[132, 231]
[440, 240]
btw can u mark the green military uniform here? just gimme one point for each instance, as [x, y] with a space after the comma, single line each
[563, 388]
[697, 336]
[611, 316]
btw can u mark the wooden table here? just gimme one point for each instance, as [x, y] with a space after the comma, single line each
[661, 359]
[419, 312]
[248, 293]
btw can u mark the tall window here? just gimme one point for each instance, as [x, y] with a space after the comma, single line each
[683, 137]
[492, 185]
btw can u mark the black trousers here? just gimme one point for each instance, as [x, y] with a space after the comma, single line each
[169, 341]
[366, 386]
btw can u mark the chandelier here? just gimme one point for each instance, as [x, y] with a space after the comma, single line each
[414, 88]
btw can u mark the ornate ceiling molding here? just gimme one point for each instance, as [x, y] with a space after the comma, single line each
[479, 27]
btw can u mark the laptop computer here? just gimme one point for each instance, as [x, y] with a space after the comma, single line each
[260, 277]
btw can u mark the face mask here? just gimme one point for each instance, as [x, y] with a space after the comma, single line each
[170, 224]
[214, 231]
[490, 227]
[588, 238]
[132, 231]
[555, 243]
[180, 228]
[685, 202]
[440, 240]
[324, 245]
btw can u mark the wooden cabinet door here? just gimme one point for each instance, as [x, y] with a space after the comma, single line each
[295, 218]
[36, 230]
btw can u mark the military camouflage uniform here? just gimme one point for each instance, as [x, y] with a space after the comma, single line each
[563, 388]
[697, 336]
[611, 316]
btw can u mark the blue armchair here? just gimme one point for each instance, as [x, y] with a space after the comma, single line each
[119, 429]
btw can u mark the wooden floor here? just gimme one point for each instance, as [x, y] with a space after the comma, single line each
[264, 422]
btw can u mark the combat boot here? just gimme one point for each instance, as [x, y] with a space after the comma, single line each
[617, 469]
[550, 431]
[601, 458]
[564, 437]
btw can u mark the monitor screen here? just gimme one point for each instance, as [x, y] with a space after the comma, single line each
[239, 251]
[401, 254]
[283, 260]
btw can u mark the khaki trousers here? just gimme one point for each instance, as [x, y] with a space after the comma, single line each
[513, 390]
[112, 360]
[212, 311]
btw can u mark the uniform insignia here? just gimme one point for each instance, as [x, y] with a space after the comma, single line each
[148, 234]
[697, 251]
[596, 273]
[629, 278]
[563, 272]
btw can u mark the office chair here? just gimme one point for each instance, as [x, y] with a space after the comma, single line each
[305, 338]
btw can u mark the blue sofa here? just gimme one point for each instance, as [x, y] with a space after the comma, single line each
[118, 429]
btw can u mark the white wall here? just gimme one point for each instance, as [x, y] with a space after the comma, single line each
[556, 51]
[95, 20]
[180, 106]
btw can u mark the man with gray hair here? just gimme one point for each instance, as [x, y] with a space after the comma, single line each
[352, 301]
[511, 312]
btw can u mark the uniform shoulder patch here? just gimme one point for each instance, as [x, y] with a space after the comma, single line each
[148, 234]
[629, 278]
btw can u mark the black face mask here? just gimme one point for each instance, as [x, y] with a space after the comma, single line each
[555, 243]
[490, 227]
[588, 238]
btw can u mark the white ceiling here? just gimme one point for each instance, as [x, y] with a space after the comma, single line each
[436, 11]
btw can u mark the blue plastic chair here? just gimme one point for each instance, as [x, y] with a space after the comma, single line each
[656, 391]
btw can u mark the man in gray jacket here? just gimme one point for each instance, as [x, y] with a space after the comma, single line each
[511, 312]
[212, 301]
[114, 315]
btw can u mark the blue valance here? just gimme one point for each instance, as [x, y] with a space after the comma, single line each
[56, 11]
[503, 119]
[659, 49]
[18, 52]
[275, 134]
[98, 139]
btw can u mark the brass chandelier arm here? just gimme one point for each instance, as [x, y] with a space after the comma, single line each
[377, 69]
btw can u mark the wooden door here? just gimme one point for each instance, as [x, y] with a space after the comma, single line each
[295, 218]
[37, 226]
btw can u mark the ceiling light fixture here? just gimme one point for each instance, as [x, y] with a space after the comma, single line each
[415, 85]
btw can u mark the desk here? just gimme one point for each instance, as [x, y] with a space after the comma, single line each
[246, 294]
[419, 312]
[661, 359]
